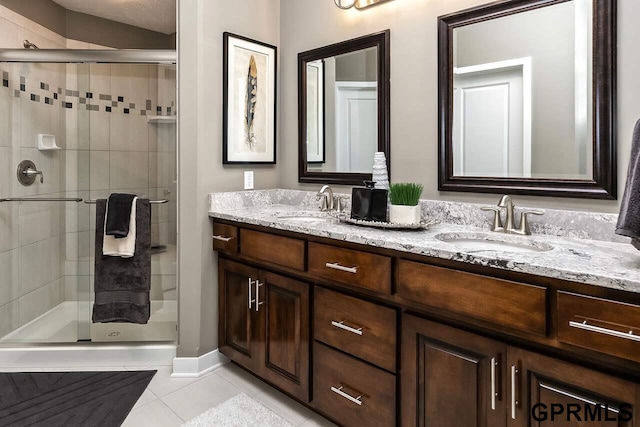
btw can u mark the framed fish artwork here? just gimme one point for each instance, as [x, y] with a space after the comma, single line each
[249, 101]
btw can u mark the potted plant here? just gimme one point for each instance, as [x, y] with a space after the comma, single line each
[405, 199]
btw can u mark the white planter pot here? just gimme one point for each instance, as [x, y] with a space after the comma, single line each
[400, 214]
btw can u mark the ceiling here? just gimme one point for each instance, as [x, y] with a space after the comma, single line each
[155, 15]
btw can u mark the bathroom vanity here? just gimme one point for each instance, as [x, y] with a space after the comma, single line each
[375, 327]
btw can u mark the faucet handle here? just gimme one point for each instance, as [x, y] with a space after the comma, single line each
[497, 221]
[524, 222]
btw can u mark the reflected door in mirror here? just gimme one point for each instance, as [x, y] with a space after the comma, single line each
[492, 119]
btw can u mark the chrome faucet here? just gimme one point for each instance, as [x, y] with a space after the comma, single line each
[509, 226]
[506, 202]
[325, 195]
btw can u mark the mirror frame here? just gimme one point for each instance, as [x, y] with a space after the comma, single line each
[381, 40]
[603, 185]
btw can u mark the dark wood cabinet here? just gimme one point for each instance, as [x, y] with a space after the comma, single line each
[450, 377]
[238, 331]
[454, 378]
[544, 391]
[264, 325]
[513, 305]
[365, 355]
[284, 320]
[350, 391]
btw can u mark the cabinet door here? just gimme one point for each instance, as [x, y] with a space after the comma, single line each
[548, 392]
[284, 330]
[237, 322]
[450, 377]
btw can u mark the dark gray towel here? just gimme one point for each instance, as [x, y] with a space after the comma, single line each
[119, 215]
[629, 219]
[122, 285]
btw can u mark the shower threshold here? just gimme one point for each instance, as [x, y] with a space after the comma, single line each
[60, 325]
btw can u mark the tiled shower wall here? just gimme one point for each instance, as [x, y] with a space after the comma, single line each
[99, 115]
[31, 234]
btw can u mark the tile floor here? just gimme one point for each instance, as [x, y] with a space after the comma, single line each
[168, 401]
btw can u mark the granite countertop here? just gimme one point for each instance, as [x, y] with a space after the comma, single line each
[590, 258]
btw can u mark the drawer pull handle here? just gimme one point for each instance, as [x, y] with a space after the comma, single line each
[251, 300]
[341, 325]
[494, 390]
[585, 326]
[337, 266]
[339, 392]
[257, 300]
[514, 386]
[222, 238]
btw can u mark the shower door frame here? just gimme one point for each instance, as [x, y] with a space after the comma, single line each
[110, 56]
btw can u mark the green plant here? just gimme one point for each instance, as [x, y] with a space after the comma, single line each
[405, 193]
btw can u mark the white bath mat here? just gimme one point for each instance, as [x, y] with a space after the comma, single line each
[239, 411]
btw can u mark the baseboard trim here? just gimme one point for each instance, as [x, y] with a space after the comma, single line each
[193, 367]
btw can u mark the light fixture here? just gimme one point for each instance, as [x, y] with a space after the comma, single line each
[345, 4]
[359, 4]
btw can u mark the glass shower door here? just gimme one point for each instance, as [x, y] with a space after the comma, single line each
[114, 129]
[132, 149]
[37, 288]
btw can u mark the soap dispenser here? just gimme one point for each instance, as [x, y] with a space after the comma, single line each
[369, 203]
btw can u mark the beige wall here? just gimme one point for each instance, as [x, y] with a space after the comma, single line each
[201, 24]
[307, 24]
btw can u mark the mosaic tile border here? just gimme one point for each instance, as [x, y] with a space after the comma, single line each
[105, 102]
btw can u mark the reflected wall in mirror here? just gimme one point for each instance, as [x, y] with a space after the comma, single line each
[527, 98]
[344, 109]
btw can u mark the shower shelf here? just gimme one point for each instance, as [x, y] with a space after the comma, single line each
[161, 119]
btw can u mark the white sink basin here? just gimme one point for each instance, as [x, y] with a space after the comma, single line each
[493, 242]
[305, 216]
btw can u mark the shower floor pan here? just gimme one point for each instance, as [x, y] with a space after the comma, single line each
[60, 325]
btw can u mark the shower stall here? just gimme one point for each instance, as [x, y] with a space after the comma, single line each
[75, 126]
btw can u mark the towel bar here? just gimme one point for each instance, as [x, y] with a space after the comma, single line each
[41, 199]
[153, 202]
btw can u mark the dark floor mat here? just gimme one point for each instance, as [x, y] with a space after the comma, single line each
[70, 399]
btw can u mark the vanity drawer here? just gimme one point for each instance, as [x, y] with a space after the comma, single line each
[284, 251]
[225, 238]
[606, 326]
[357, 327]
[352, 392]
[510, 304]
[356, 268]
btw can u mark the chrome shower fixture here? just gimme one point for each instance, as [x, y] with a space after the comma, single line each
[28, 45]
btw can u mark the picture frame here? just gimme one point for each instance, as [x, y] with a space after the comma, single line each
[249, 101]
[315, 113]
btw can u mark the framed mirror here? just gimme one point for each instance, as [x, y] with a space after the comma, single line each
[527, 98]
[343, 110]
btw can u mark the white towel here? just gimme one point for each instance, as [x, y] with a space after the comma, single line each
[126, 246]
